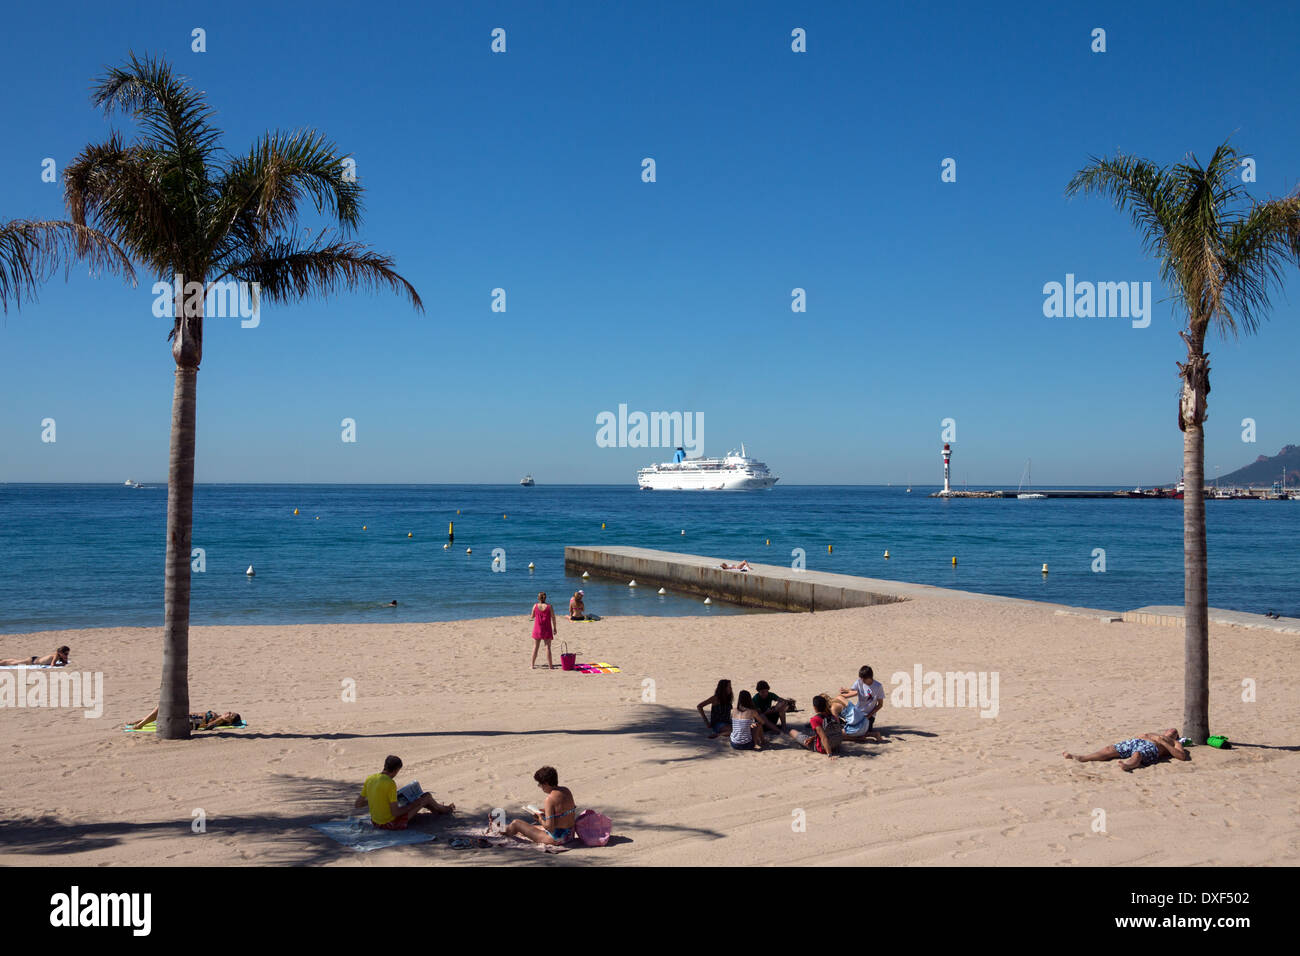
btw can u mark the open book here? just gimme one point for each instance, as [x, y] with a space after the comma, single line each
[409, 793]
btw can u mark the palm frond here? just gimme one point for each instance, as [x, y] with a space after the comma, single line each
[117, 188]
[287, 271]
[1135, 186]
[33, 250]
[278, 173]
[1256, 249]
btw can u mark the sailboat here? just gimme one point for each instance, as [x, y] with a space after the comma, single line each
[1026, 482]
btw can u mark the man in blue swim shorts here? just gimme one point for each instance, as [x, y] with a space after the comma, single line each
[1141, 751]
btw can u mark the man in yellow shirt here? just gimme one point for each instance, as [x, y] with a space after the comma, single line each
[380, 792]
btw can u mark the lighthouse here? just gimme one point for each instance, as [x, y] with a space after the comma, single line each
[947, 463]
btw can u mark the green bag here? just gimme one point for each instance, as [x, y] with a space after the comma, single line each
[1221, 742]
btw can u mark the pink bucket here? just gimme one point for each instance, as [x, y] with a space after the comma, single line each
[568, 662]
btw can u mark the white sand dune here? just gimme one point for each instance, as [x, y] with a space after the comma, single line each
[459, 704]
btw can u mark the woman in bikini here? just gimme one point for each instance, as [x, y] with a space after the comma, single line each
[197, 721]
[544, 628]
[556, 819]
[58, 659]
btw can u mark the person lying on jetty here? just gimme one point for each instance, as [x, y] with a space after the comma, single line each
[554, 823]
[380, 793]
[742, 566]
[719, 718]
[771, 706]
[1142, 750]
[58, 659]
[197, 721]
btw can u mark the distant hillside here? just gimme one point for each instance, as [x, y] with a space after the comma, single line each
[1263, 471]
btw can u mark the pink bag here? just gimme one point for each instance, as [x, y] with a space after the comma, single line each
[593, 828]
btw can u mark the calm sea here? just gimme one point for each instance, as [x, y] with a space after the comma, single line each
[92, 555]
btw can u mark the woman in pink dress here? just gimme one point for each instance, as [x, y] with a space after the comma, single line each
[544, 627]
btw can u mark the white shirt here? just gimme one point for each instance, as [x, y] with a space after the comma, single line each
[868, 695]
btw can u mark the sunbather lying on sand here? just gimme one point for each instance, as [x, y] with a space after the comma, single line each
[742, 566]
[197, 721]
[58, 659]
[1138, 751]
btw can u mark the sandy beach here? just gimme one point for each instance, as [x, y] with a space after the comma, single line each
[472, 722]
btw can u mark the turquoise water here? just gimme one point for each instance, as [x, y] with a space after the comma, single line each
[92, 555]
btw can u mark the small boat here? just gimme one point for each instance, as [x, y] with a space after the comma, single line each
[527, 481]
[1026, 482]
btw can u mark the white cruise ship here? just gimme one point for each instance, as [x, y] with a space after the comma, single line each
[735, 472]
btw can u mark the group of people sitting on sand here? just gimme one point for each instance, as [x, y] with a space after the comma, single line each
[552, 825]
[838, 718]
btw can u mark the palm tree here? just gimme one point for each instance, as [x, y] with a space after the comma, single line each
[31, 250]
[1220, 254]
[185, 208]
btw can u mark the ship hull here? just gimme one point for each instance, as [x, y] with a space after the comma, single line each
[704, 482]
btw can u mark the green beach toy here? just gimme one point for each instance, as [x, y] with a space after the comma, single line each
[1221, 742]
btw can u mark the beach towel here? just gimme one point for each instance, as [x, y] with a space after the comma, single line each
[152, 728]
[599, 667]
[471, 838]
[359, 834]
[25, 667]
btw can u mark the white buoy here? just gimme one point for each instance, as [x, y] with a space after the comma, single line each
[585, 574]
[632, 583]
[250, 572]
[886, 555]
[1044, 568]
[469, 550]
[530, 565]
[683, 531]
[708, 600]
[662, 591]
[446, 547]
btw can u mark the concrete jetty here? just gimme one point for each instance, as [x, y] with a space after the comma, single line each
[782, 588]
[765, 585]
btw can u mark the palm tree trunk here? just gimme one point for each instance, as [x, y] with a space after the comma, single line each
[187, 350]
[1196, 637]
[174, 697]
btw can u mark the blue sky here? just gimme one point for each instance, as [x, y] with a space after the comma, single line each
[775, 170]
